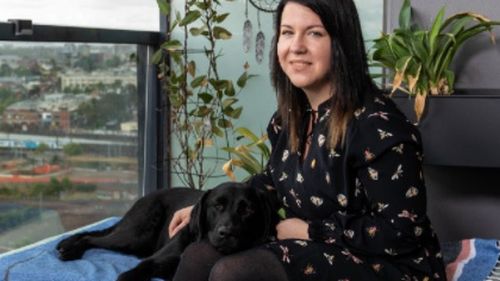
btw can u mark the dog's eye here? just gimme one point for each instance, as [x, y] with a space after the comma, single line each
[246, 210]
[219, 207]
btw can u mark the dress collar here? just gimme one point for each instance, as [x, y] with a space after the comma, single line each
[322, 107]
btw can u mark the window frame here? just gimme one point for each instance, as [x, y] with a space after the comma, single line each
[153, 140]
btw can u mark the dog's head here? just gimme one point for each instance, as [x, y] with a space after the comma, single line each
[234, 216]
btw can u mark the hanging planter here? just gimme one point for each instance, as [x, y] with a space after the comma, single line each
[460, 129]
[418, 60]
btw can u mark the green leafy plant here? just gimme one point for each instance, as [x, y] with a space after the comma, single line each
[419, 59]
[251, 156]
[203, 105]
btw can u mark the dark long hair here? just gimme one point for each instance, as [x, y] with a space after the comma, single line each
[348, 69]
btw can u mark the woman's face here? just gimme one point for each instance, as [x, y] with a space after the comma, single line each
[304, 49]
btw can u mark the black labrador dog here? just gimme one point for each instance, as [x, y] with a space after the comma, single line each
[232, 217]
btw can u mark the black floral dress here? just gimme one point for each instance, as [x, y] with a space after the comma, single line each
[365, 202]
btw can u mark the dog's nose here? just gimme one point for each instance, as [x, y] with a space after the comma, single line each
[224, 231]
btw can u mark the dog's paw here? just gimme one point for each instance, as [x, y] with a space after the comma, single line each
[71, 248]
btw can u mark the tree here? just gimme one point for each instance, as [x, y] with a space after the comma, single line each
[73, 149]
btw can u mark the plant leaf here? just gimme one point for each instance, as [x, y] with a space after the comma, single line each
[228, 102]
[220, 18]
[224, 123]
[405, 15]
[436, 28]
[221, 33]
[420, 104]
[158, 56]
[190, 17]
[164, 6]
[199, 81]
[191, 68]
[172, 45]
[228, 170]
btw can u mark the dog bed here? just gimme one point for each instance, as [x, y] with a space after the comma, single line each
[467, 260]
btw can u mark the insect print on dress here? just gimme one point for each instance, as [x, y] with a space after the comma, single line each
[379, 101]
[359, 111]
[381, 207]
[373, 173]
[398, 173]
[349, 233]
[333, 154]
[399, 148]
[377, 267]
[380, 114]
[384, 134]
[283, 177]
[301, 243]
[414, 138]
[296, 196]
[390, 252]
[317, 201]
[372, 231]
[285, 155]
[408, 215]
[329, 258]
[352, 257]
[326, 115]
[300, 178]
[276, 127]
[331, 226]
[342, 199]
[309, 269]
[286, 254]
[327, 178]
[321, 140]
[368, 155]
[411, 192]
[313, 163]
[285, 202]
[418, 231]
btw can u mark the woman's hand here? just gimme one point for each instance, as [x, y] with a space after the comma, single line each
[292, 229]
[179, 220]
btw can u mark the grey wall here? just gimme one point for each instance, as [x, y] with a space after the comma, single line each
[478, 65]
[463, 202]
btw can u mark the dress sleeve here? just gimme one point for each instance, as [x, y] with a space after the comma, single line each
[264, 179]
[388, 171]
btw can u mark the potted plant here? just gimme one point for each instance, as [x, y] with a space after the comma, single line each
[203, 105]
[250, 155]
[418, 59]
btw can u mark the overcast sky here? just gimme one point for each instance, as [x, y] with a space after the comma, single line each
[121, 14]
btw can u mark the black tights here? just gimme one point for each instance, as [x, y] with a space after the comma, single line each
[201, 262]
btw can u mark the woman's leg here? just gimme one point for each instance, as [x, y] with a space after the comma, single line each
[196, 262]
[251, 265]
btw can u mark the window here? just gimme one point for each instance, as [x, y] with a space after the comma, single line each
[74, 144]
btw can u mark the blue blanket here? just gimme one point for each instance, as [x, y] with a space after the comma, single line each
[467, 260]
[39, 262]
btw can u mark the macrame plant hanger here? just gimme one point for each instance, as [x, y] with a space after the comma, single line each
[260, 42]
[247, 31]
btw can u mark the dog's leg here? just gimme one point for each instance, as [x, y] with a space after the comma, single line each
[74, 246]
[163, 263]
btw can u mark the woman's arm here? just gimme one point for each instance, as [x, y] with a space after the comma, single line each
[179, 220]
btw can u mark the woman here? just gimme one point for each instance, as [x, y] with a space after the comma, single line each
[345, 162]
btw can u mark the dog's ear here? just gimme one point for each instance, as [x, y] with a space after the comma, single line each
[197, 223]
[269, 205]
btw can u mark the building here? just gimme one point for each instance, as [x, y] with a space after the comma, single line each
[80, 79]
[50, 111]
